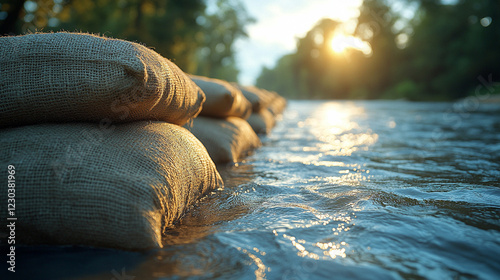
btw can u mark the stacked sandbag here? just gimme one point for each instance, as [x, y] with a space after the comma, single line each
[266, 106]
[64, 77]
[221, 126]
[222, 99]
[119, 187]
[277, 105]
[262, 121]
[91, 127]
[257, 97]
[226, 140]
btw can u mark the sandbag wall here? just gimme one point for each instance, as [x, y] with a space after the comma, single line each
[232, 118]
[266, 107]
[108, 143]
[91, 133]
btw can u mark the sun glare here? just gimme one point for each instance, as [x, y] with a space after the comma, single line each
[341, 43]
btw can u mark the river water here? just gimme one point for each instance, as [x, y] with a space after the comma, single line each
[339, 190]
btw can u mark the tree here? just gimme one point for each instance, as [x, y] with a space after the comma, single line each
[220, 30]
[452, 45]
[12, 11]
[375, 73]
[281, 78]
[168, 26]
[312, 71]
[179, 30]
[448, 48]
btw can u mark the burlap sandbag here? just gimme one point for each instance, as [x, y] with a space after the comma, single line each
[223, 100]
[61, 77]
[262, 121]
[226, 140]
[277, 105]
[116, 186]
[257, 97]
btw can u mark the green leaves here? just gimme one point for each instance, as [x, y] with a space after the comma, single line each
[448, 47]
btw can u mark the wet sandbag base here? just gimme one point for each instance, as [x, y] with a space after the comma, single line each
[226, 140]
[117, 187]
[262, 121]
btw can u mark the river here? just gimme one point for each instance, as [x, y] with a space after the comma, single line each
[339, 190]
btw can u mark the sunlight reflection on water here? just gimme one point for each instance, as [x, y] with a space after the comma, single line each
[333, 125]
[334, 191]
[351, 190]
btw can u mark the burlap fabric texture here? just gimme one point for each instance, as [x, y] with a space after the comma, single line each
[262, 121]
[278, 104]
[117, 186]
[257, 97]
[226, 140]
[64, 77]
[222, 99]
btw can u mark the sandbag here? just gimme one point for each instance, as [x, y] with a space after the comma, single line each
[257, 97]
[262, 121]
[222, 99]
[63, 77]
[118, 186]
[277, 105]
[226, 140]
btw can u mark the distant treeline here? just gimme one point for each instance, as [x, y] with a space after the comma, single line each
[198, 40]
[446, 51]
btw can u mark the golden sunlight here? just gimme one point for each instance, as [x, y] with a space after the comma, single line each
[341, 43]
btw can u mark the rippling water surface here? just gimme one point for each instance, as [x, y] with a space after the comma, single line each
[340, 190]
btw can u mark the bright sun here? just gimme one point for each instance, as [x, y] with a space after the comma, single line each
[340, 43]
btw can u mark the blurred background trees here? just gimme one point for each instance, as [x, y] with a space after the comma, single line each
[197, 37]
[437, 54]
[411, 49]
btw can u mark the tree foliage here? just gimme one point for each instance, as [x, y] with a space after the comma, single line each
[216, 57]
[448, 48]
[178, 30]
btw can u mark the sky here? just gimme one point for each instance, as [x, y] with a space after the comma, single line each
[279, 23]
